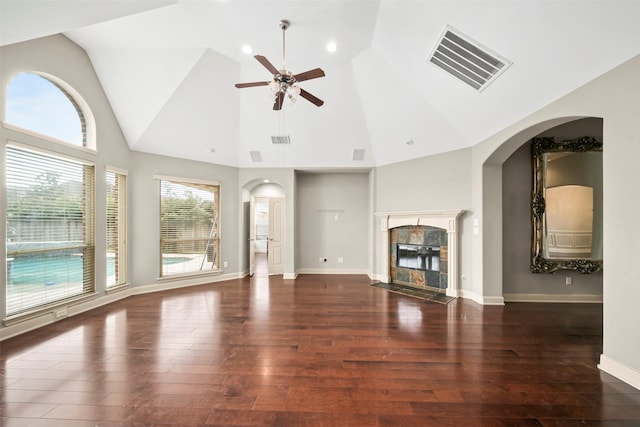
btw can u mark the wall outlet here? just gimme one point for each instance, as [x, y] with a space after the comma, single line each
[340, 260]
[568, 280]
[225, 264]
[320, 259]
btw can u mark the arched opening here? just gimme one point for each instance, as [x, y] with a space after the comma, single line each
[506, 217]
[263, 203]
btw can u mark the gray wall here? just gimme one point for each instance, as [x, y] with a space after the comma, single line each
[332, 221]
[144, 211]
[517, 181]
[438, 182]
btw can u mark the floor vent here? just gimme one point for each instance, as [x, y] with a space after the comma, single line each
[280, 139]
[467, 60]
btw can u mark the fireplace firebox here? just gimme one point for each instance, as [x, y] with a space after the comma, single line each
[418, 257]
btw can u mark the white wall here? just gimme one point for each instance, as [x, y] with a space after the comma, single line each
[614, 98]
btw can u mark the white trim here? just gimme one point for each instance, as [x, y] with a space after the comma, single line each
[560, 298]
[444, 219]
[290, 276]
[115, 169]
[185, 180]
[48, 138]
[332, 271]
[620, 371]
[480, 299]
[49, 152]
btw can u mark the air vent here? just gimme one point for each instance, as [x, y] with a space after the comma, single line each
[467, 60]
[255, 156]
[358, 154]
[281, 139]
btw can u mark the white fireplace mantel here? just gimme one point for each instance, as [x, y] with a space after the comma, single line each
[446, 219]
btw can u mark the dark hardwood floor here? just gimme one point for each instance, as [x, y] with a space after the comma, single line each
[320, 351]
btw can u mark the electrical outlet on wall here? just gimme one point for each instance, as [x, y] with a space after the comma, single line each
[568, 280]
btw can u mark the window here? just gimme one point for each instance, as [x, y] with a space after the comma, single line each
[50, 229]
[189, 222]
[116, 228]
[49, 107]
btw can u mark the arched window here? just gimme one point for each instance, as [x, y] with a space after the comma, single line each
[47, 106]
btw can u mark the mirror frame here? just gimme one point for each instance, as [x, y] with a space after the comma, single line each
[540, 146]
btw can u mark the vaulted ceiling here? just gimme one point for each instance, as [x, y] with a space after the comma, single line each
[169, 67]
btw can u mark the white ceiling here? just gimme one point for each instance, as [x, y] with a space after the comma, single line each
[169, 67]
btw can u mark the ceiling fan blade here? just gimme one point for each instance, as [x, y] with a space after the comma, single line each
[252, 84]
[266, 64]
[277, 105]
[306, 95]
[308, 75]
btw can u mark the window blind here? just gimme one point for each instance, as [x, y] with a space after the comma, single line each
[189, 222]
[116, 228]
[50, 229]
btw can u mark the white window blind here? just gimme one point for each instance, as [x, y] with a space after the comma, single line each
[189, 240]
[116, 228]
[50, 229]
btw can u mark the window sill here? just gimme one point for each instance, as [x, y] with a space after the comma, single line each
[186, 276]
[117, 288]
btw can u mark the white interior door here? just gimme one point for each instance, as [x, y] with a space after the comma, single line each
[252, 235]
[275, 248]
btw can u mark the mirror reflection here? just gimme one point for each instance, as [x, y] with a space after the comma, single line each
[567, 205]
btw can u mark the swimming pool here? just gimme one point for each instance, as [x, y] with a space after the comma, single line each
[27, 270]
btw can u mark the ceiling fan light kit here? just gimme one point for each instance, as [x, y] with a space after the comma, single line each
[284, 83]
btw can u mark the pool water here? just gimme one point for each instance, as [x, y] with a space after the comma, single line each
[63, 269]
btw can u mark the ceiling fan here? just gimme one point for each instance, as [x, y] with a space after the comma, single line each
[284, 82]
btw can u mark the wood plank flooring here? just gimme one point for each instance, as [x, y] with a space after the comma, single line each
[318, 351]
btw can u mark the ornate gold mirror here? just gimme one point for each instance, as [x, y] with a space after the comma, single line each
[566, 208]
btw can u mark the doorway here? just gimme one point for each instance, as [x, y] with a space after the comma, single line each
[266, 233]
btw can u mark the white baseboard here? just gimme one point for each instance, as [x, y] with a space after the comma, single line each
[481, 299]
[331, 271]
[620, 371]
[290, 276]
[553, 298]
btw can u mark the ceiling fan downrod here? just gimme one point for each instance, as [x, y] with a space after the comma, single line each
[284, 24]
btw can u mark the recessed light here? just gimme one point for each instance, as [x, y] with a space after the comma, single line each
[331, 47]
[247, 49]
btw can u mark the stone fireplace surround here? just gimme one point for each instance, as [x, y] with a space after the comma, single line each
[446, 219]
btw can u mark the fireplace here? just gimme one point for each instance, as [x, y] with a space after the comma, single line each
[418, 257]
[419, 249]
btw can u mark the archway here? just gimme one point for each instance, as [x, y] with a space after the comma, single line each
[263, 225]
[493, 207]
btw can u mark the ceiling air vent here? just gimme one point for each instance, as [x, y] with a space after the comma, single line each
[467, 60]
[255, 156]
[280, 139]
